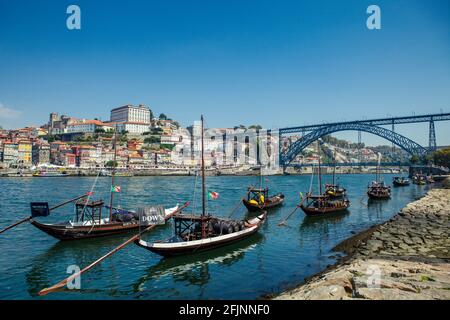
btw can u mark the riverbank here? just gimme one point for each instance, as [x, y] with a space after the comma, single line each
[408, 257]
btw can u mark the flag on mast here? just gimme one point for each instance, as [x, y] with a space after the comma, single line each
[115, 189]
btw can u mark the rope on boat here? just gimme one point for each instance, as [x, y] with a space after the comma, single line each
[89, 197]
[238, 204]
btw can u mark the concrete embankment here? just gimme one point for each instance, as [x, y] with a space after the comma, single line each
[407, 257]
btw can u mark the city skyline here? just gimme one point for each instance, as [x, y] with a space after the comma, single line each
[236, 62]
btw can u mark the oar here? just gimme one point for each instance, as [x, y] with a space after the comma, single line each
[283, 222]
[52, 208]
[64, 282]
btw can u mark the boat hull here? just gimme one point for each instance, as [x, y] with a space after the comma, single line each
[323, 211]
[378, 196]
[400, 184]
[272, 202]
[191, 247]
[65, 232]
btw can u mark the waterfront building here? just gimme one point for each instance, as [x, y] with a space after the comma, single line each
[66, 158]
[25, 152]
[10, 153]
[41, 153]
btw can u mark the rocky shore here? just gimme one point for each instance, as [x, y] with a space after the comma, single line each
[408, 257]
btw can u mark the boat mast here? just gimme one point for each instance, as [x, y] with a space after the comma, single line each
[203, 173]
[203, 181]
[334, 169]
[113, 173]
[377, 176]
[320, 173]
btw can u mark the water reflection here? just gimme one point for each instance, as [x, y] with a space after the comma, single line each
[194, 269]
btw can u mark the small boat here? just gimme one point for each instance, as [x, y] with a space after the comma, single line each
[259, 200]
[49, 174]
[378, 190]
[333, 190]
[323, 203]
[196, 233]
[419, 179]
[400, 181]
[318, 205]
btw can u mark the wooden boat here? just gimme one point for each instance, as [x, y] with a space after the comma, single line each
[195, 233]
[333, 190]
[400, 181]
[318, 205]
[88, 222]
[259, 200]
[378, 189]
[419, 179]
[188, 236]
[323, 203]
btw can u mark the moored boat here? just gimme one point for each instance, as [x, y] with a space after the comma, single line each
[196, 233]
[324, 202]
[378, 190]
[88, 222]
[259, 200]
[318, 205]
[400, 181]
[220, 232]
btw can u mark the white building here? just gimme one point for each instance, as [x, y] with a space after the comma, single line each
[130, 113]
[131, 127]
[87, 126]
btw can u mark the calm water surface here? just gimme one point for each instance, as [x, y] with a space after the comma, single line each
[274, 259]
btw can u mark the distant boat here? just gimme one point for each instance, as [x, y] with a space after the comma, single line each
[49, 174]
[400, 181]
[333, 190]
[377, 189]
[419, 179]
[259, 200]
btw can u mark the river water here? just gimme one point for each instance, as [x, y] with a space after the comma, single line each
[274, 259]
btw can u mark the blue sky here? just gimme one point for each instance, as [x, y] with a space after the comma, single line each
[276, 63]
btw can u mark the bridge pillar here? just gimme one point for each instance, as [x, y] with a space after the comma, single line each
[432, 137]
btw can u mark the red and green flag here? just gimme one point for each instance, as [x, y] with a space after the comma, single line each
[213, 195]
[115, 189]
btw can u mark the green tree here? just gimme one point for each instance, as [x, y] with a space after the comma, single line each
[152, 139]
[442, 157]
[255, 126]
[162, 116]
[167, 146]
[111, 164]
[415, 159]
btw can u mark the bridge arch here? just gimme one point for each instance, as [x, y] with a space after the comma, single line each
[406, 144]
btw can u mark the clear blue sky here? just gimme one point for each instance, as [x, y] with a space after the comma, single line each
[276, 63]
